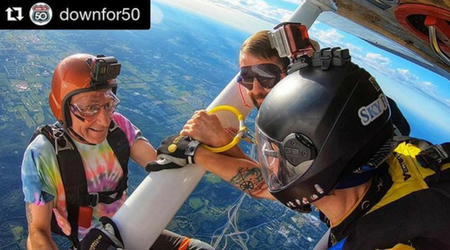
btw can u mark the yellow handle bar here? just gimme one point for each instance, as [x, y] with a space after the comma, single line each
[237, 138]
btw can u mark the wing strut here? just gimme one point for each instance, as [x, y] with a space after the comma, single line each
[161, 194]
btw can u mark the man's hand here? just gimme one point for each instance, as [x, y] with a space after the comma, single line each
[106, 237]
[206, 128]
[174, 152]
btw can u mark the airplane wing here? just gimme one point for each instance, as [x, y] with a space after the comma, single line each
[417, 30]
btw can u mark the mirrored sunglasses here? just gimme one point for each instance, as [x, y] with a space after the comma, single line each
[267, 74]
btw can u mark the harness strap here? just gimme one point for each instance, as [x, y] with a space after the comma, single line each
[430, 156]
[421, 143]
[434, 156]
[92, 199]
[118, 141]
[74, 177]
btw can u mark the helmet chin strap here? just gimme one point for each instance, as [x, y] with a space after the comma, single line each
[79, 117]
[78, 136]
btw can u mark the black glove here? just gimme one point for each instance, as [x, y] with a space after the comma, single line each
[105, 238]
[174, 152]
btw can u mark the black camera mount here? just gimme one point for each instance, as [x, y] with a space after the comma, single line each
[103, 68]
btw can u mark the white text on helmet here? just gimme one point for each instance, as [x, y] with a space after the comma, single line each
[374, 110]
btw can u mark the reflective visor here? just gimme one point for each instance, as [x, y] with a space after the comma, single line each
[277, 171]
[267, 74]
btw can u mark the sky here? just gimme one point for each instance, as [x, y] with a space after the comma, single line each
[414, 88]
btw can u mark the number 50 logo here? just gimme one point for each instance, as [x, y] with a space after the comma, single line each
[40, 14]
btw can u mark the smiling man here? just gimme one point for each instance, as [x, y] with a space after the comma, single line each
[261, 68]
[75, 172]
[93, 111]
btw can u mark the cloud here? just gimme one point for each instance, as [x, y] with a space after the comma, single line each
[379, 63]
[403, 76]
[298, 2]
[229, 12]
[330, 37]
[156, 15]
[354, 49]
[257, 8]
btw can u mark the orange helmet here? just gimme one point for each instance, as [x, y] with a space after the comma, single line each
[73, 75]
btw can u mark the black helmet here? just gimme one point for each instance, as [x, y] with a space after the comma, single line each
[317, 125]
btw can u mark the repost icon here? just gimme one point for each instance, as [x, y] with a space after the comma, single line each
[14, 14]
[41, 14]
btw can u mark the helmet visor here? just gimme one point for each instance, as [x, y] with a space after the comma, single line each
[277, 170]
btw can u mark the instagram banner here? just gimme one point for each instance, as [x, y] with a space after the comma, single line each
[23, 14]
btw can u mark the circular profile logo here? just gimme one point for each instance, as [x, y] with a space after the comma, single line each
[40, 14]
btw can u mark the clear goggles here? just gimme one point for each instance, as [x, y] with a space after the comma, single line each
[108, 100]
[282, 163]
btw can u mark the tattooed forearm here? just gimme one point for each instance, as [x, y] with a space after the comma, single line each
[249, 180]
[28, 211]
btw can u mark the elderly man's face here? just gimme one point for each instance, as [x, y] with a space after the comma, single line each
[91, 114]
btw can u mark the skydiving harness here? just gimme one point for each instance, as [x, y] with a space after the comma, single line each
[434, 157]
[430, 156]
[78, 201]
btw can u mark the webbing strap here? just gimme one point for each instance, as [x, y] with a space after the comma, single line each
[430, 156]
[74, 177]
[119, 144]
[74, 181]
[434, 156]
[69, 165]
[118, 141]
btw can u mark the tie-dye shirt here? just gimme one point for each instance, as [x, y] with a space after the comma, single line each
[41, 179]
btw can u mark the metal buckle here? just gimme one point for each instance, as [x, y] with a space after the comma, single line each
[432, 157]
[190, 151]
[61, 142]
[248, 137]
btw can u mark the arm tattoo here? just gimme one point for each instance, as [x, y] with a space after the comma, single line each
[28, 211]
[249, 180]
